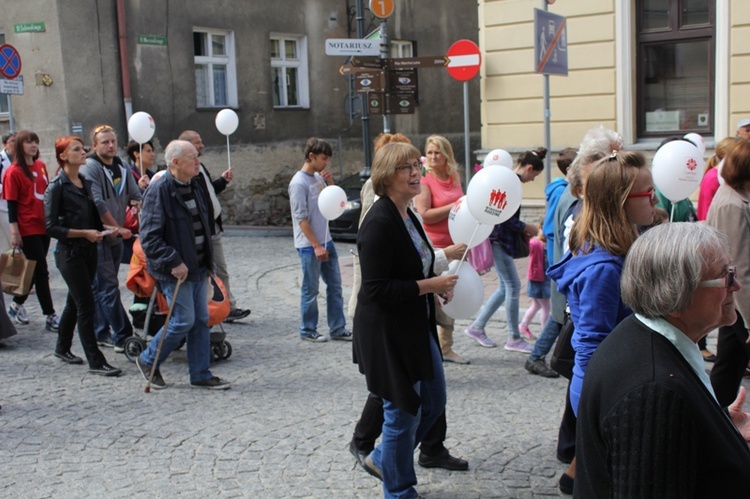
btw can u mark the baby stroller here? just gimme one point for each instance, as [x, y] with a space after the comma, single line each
[152, 318]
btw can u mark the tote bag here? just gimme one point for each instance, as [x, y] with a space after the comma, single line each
[17, 272]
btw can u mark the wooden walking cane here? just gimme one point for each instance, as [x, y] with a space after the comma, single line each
[163, 334]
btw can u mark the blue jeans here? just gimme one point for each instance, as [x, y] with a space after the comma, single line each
[312, 271]
[403, 431]
[508, 282]
[189, 318]
[544, 344]
[109, 310]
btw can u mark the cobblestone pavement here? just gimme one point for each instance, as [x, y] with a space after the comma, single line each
[281, 431]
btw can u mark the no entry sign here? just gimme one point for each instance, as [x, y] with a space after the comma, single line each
[465, 60]
[10, 61]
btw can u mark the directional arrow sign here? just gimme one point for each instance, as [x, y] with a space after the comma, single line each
[419, 62]
[348, 69]
[366, 62]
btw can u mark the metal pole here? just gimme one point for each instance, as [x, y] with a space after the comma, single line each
[366, 145]
[10, 114]
[466, 132]
[384, 57]
[547, 128]
[547, 131]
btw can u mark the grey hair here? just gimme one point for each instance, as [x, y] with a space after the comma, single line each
[174, 150]
[666, 264]
[598, 143]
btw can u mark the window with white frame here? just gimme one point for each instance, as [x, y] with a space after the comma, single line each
[3, 97]
[289, 74]
[215, 68]
[401, 49]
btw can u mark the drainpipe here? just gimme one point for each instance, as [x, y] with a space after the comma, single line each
[124, 68]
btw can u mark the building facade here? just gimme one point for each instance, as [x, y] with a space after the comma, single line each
[88, 62]
[646, 68]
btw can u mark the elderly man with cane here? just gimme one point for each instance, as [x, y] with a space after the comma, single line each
[176, 238]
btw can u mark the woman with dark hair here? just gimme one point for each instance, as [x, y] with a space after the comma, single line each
[504, 238]
[23, 188]
[71, 218]
[730, 214]
[395, 336]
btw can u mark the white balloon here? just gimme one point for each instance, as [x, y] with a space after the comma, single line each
[498, 157]
[461, 226]
[697, 139]
[141, 127]
[677, 169]
[331, 202]
[227, 121]
[468, 294]
[494, 195]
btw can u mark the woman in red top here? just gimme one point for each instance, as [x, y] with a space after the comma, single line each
[441, 188]
[23, 187]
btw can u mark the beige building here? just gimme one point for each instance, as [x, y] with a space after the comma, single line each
[646, 68]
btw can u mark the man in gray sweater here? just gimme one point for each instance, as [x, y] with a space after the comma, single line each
[113, 188]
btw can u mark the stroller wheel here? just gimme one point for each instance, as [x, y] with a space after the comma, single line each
[216, 352]
[226, 350]
[134, 346]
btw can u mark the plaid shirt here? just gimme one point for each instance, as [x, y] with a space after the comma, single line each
[506, 233]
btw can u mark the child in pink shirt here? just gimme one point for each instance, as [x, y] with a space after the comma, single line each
[538, 284]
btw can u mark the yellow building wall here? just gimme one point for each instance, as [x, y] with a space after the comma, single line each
[739, 62]
[512, 93]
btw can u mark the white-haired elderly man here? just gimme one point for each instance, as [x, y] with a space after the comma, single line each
[743, 129]
[649, 424]
[176, 236]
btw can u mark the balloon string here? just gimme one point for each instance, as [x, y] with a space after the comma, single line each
[671, 216]
[229, 154]
[471, 240]
[140, 158]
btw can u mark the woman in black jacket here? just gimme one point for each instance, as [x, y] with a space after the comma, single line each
[71, 217]
[395, 338]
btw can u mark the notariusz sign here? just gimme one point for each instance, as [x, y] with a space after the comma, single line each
[352, 46]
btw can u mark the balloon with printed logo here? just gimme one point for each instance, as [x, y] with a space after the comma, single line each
[461, 226]
[698, 140]
[468, 294]
[493, 195]
[227, 121]
[677, 169]
[498, 157]
[141, 127]
[331, 202]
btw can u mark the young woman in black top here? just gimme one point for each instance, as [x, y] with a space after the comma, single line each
[71, 218]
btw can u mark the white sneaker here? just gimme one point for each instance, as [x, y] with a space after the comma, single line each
[52, 323]
[18, 313]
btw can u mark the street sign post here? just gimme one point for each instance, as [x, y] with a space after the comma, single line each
[550, 57]
[550, 43]
[352, 46]
[465, 60]
[10, 61]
